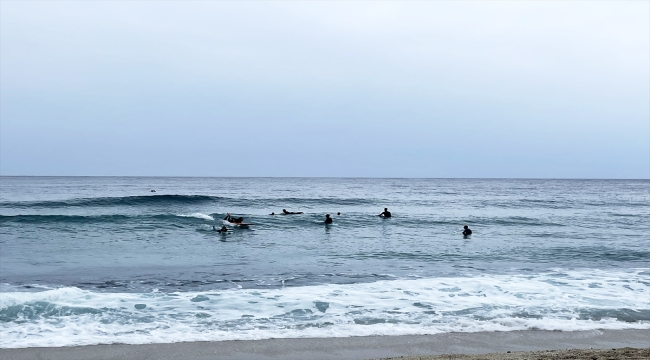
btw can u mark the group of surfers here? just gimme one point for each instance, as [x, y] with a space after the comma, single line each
[328, 220]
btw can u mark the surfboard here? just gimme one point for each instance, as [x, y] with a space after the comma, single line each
[242, 224]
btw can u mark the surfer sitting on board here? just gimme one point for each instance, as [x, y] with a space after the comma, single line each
[285, 212]
[222, 230]
[328, 219]
[385, 214]
[467, 231]
[233, 220]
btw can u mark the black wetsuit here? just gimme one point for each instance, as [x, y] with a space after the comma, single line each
[385, 214]
[467, 232]
[222, 230]
[233, 220]
[328, 220]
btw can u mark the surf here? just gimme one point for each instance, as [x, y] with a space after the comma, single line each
[564, 300]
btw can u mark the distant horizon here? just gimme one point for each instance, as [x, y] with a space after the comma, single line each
[308, 177]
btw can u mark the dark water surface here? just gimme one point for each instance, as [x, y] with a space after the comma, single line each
[104, 260]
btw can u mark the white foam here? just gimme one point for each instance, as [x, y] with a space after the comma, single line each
[198, 215]
[560, 300]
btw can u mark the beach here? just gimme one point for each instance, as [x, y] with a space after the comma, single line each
[501, 345]
[575, 354]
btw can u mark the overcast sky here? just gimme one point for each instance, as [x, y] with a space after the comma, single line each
[372, 89]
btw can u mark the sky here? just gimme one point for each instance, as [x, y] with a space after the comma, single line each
[439, 89]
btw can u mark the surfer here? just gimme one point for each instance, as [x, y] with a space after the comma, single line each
[467, 231]
[233, 220]
[385, 213]
[285, 212]
[328, 219]
[223, 229]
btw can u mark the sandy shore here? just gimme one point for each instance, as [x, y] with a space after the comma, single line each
[497, 344]
[575, 354]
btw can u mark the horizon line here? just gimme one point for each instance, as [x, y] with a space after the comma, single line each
[317, 177]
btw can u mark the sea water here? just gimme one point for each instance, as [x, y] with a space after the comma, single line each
[87, 260]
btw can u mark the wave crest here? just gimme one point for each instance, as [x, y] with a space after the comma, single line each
[115, 201]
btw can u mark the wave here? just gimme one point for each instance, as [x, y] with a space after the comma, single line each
[294, 202]
[90, 219]
[356, 220]
[153, 200]
[554, 300]
[114, 201]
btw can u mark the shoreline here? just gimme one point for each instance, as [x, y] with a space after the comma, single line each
[353, 348]
[573, 354]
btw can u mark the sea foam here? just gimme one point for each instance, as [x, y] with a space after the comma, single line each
[198, 215]
[554, 300]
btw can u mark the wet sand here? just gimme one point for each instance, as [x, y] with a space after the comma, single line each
[576, 354]
[491, 345]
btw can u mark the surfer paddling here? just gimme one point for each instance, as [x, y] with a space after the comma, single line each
[285, 212]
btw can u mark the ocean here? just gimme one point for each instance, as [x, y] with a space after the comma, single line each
[101, 260]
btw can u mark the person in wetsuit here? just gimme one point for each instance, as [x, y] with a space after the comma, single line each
[385, 213]
[328, 219]
[233, 220]
[223, 229]
[285, 212]
[467, 231]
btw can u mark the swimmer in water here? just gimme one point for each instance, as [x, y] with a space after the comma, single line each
[328, 219]
[467, 231]
[285, 212]
[233, 220]
[223, 229]
[385, 213]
